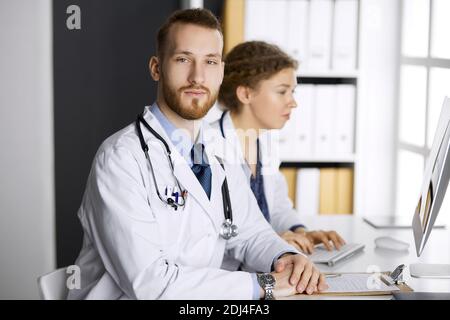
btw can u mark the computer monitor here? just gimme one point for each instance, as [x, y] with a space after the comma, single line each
[434, 185]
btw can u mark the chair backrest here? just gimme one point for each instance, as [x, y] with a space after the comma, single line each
[52, 286]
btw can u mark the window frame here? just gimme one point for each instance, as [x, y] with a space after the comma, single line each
[428, 62]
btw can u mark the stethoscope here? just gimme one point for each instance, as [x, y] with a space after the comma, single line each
[228, 229]
[221, 123]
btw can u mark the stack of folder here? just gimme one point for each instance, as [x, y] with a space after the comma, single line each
[322, 125]
[320, 191]
[321, 34]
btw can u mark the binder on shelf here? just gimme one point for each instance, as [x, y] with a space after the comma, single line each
[307, 191]
[284, 149]
[324, 122]
[265, 20]
[287, 139]
[320, 34]
[290, 174]
[255, 20]
[345, 35]
[344, 191]
[322, 125]
[276, 23]
[345, 117]
[233, 23]
[321, 14]
[327, 194]
[336, 191]
[303, 121]
[297, 33]
[296, 137]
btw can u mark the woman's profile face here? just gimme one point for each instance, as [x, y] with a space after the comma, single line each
[272, 102]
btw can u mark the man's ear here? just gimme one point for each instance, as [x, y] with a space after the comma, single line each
[155, 68]
[243, 93]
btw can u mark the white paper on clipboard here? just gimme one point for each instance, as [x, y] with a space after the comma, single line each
[357, 283]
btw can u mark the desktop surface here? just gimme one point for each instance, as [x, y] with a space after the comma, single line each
[353, 229]
[386, 222]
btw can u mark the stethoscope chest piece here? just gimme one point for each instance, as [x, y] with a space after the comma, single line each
[228, 230]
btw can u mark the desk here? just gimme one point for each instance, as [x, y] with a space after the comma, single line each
[372, 259]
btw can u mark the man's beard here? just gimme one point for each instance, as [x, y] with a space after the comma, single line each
[195, 110]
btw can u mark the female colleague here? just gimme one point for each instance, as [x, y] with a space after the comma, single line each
[257, 93]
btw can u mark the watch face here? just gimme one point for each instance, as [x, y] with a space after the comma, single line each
[268, 279]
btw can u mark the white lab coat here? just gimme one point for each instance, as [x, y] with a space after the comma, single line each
[135, 247]
[282, 213]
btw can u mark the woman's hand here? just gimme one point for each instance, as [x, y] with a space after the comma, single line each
[328, 238]
[299, 241]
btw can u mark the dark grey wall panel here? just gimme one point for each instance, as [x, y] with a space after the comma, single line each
[216, 6]
[101, 82]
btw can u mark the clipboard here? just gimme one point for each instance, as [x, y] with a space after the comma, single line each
[402, 286]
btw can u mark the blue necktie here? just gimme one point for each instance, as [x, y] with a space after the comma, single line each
[201, 167]
[257, 186]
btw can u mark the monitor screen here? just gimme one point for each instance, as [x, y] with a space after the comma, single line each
[435, 180]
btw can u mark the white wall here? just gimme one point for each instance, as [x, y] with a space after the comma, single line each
[27, 245]
[376, 132]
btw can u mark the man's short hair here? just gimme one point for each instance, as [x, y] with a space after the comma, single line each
[200, 17]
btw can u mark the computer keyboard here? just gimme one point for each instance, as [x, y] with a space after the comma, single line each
[322, 255]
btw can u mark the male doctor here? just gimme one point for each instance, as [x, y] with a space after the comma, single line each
[136, 246]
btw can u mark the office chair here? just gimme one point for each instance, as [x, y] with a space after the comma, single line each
[52, 286]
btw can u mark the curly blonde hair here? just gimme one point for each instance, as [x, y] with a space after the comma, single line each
[247, 65]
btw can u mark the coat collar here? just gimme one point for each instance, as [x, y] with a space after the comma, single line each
[268, 143]
[269, 154]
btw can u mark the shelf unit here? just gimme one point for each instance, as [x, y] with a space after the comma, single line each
[347, 161]
[375, 78]
[334, 77]
[352, 75]
[326, 77]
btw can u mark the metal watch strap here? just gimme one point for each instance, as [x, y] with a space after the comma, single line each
[266, 286]
[268, 294]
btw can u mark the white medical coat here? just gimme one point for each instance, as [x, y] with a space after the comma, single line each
[135, 247]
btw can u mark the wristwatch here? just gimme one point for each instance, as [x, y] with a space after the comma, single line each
[267, 283]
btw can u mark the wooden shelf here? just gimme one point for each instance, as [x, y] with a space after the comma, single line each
[329, 74]
[349, 158]
[311, 162]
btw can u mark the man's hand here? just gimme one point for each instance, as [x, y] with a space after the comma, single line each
[328, 238]
[299, 241]
[296, 273]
